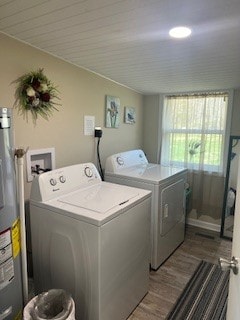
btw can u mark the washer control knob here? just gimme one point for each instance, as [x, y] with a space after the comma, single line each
[62, 179]
[53, 181]
[120, 161]
[88, 172]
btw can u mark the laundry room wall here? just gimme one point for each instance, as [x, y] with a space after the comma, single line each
[81, 93]
[152, 126]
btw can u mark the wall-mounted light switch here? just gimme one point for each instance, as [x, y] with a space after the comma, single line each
[89, 125]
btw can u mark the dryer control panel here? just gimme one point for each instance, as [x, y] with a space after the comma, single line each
[125, 160]
[54, 183]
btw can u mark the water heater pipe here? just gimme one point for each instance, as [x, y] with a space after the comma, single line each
[19, 153]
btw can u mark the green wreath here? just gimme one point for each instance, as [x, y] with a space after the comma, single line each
[35, 93]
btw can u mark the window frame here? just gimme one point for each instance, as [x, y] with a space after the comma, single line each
[226, 137]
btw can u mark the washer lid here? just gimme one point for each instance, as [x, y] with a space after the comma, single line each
[99, 198]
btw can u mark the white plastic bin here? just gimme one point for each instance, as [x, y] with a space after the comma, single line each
[55, 304]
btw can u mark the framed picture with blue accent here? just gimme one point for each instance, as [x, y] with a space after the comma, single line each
[129, 115]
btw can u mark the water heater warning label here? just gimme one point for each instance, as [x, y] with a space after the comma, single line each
[6, 273]
[6, 259]
[5, 253]
[16, 239]
[5, 238]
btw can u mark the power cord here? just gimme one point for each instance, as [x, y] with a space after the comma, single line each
[98, 134]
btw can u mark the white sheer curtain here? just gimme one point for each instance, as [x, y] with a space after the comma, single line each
[193, 136]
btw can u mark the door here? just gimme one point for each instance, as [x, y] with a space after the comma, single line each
[233, 311]
[230, 188]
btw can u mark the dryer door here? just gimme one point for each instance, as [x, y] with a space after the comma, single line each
[172, 206]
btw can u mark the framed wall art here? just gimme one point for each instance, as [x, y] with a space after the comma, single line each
[112, 112]
[129, 115]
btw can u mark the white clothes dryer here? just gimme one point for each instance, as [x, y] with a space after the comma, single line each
[92, 239]
[167, 184]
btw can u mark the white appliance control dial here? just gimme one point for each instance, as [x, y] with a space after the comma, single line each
[120, 161]
[62, 179]
[53, 181]
[88, 172]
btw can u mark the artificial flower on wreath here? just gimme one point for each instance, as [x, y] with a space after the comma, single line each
[35, 93]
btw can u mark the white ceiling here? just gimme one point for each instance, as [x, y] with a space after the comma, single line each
[127, 40]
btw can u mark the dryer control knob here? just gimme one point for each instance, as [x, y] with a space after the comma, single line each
[53, 181]
[88, 172]
[62, 179]
[120, 161]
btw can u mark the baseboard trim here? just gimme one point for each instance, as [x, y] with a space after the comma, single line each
[204, 224]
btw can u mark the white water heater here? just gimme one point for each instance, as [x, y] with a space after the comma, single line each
[11, 300]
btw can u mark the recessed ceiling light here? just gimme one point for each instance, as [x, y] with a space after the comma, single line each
[180, 32]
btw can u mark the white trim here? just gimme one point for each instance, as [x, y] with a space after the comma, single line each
[227, 134]
[203, 224]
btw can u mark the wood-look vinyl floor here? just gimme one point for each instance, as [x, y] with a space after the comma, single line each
[167, 283]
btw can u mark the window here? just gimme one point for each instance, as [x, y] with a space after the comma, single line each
[194, 128]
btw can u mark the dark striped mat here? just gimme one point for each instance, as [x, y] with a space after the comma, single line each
[205, 295]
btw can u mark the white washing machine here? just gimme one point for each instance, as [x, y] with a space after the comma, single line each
[92, 239]
[168, 198]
